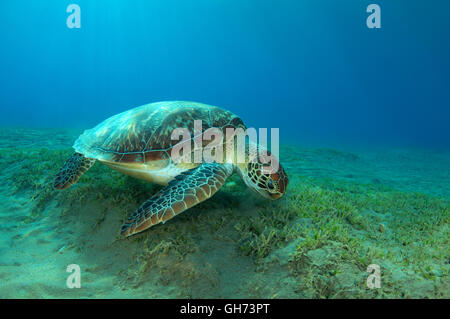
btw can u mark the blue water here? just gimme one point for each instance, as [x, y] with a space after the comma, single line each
[363, 116]
[311, 68]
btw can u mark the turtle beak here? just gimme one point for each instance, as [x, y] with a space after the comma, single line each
[275, 196]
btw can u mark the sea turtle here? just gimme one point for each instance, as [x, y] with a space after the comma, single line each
[139, 143]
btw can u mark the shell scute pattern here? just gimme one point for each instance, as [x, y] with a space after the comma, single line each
[143, 134]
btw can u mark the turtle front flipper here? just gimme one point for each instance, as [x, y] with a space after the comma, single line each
[75, 166]
[186, 190]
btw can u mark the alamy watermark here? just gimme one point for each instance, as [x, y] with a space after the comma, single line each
[374, 279]
[374, 19]
[228, 147]
[74, 19]
[74, 279]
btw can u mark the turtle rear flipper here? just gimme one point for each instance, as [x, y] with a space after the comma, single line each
[75, 166]
[186, 190]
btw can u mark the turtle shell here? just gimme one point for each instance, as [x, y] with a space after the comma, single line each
[143, 134]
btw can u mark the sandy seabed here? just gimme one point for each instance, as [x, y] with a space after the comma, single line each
[344, 210]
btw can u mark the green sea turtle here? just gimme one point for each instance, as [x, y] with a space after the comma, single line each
[139, 143]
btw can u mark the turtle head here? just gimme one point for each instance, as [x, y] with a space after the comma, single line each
[267, 179]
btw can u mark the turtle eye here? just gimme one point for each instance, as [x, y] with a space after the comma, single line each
[271, 185]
